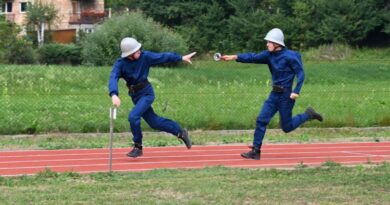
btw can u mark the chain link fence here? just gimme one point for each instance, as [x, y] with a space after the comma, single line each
[207, 95]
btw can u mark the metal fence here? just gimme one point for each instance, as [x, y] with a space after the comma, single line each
[34, 100]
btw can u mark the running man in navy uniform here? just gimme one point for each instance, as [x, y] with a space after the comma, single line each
[133, 67]
[284, 65]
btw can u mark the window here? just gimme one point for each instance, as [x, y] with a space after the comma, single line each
[88, 30]
[8, 7]
[23, 7]
[75, 7]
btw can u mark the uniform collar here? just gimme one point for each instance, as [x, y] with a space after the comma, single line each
[128, 60]
[279, 51]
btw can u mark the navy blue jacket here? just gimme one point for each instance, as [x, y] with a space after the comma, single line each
[136, 71]
[284, 65]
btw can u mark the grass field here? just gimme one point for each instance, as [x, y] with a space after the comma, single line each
[207, 95]
[199, 137]
[329, 184]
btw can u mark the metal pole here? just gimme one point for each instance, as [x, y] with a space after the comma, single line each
[112, 118]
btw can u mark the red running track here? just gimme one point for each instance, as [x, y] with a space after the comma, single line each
[27, 162]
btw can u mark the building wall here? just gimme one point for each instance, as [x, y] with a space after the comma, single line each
[65, 8]
[66, 26]
[16, 15]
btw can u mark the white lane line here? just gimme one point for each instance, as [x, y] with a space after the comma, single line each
[115, 158]
[118, 164]
[198, 155]
[237, 166]
[185, 150]
[308, 163]
[367, 154]
[175, 162]
[204, 166]
[366, 144]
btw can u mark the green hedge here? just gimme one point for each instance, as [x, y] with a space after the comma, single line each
[60, 54]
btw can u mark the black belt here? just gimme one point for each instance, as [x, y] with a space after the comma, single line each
[277, 88]
[137, 87]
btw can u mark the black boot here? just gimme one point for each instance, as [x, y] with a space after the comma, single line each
[183, 135]
[253, 154]
[136, 151]
[313, 114]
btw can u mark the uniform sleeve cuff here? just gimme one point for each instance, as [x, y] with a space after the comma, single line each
[113, 93]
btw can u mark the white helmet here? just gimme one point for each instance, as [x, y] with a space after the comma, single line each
[129, 46]
[275, 35]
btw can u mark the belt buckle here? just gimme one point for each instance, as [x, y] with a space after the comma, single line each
[131, 89]
[277, 88]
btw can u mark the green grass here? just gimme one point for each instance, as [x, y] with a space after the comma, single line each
[337, 52]
[329, 184]
[308, 135]
[207, 95]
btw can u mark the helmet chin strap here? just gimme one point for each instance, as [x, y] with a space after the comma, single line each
[131, 57]
[277, 47]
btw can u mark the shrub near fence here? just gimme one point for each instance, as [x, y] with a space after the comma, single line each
[206, 95]
[60, 54]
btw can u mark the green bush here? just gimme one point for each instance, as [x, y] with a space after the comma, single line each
[102, 46]
[14, 49]
[21, 52]
[2, 56]
[60, 54]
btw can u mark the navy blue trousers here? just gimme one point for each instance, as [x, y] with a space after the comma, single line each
[277, 102]
[143, 100]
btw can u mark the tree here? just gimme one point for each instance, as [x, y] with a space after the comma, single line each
[14, 48]
[8, 32]
[120, 5]
[38, 15]
[345, 21]
[251, 22]
[386, 17]
[201, 22]
[236, 25]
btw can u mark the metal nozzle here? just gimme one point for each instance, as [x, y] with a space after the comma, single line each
[217, 56]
